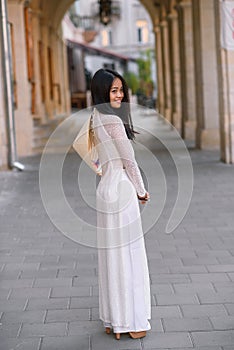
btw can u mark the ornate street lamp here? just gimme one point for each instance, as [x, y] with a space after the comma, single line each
[105, 11]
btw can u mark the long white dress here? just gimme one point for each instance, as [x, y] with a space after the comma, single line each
[124, 287]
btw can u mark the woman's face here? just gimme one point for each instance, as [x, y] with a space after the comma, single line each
[116, 93]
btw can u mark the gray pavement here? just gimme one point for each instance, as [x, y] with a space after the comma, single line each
[49, 286]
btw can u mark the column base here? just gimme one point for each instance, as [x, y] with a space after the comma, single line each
[210, 139]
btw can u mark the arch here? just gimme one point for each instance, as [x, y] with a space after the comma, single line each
[53, 10]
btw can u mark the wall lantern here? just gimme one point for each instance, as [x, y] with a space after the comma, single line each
[105, 11]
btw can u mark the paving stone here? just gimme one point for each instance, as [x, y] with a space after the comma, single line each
[52, 282]
[94, 313]
[192, 288]
[200, 261]
[186, 324]
[169, 278]
[216, 298]
[40, 258]
[41, 330]
[165, 311]
[230, 308]
[9, 330]
[188, 269]
[4, 293]
[85, 281]
[180, 253]
[176, 299]
[18, 293]
[165, 262]
[48, 273]
[9, 275]
[66, 272]
[171, 340]
[219, 338]
[161, 289]
[11, 259]
[203, 310]
[45, 265]
[47, 304]
[223, 287]
[19, 343]
[67, 315]
[223, 322]
[85, 327]
[58, 292]
[16, 283]
[80, 342]
[21, 266]
[94, 290]
[231, 275]
[156, 325]
[13, 305]
[107, 341]
[23, 317]
[209, 277]
[201, 348]
[58, 251]
[83, 302]
[221, 268]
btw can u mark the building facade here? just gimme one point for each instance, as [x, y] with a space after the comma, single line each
[195, 69]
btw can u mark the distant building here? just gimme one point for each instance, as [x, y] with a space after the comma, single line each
[128, 35]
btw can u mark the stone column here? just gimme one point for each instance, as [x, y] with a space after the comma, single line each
[175, 70]
[160, 81]
[206, 77]
[166, 73]
[46, 42]
[225, 65]
[188, 108]
[40, 107]
[65, 89]
[23, 117]
[62, 93]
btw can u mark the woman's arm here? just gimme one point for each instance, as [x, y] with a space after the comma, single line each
[116, 130]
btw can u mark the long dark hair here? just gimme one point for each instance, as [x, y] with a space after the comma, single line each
[100, 92]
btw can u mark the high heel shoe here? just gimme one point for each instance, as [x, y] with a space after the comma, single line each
[137, 335]
[108, 330]
[117, 336]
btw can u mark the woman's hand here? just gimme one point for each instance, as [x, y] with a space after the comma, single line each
[145, 198]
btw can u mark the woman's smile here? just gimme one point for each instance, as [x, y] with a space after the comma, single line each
[116, 93]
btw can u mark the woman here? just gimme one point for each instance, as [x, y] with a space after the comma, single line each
[124, 291]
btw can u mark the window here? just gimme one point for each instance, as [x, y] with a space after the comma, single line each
[106, 37]
[142, 31]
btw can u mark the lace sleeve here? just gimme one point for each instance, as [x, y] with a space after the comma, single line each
[116, 130]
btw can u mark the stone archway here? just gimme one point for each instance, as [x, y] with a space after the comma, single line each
[193, 69]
